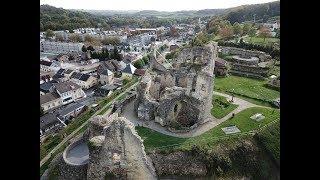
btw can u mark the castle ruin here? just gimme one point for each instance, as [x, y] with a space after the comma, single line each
[181, 96]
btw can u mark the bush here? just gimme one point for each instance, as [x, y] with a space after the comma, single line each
[139, 64]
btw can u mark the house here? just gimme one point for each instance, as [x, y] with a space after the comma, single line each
[221, 67]
[50, 100]
[69, 91]
[106, 89]
[139, 72]
[72, 111]
[173, 47]
[45, 78]
[128, 71]
[62, 75]
[106, 77]
[49, 124]
[85, 81]
[46, 87]
[49, 65]
[60, 47]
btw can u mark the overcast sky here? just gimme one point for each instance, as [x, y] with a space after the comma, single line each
[160, 5]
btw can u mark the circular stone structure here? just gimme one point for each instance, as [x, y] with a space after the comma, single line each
[245, 60]
[77, 153]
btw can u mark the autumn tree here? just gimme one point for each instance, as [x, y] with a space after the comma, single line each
[264, 32]
[246, 28]
[75, 38]
[226, 32]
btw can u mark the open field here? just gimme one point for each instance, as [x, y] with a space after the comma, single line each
[261, 41]
[249, 89]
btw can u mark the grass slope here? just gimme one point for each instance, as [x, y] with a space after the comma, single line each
[249, 89]
[155, 140]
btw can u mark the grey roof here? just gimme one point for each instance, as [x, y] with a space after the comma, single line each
[77, 75]
[68, 71]
[46, 86]
[129, 69]
[48, 97]
[66, 86]
[48, 120]
[45, 63]
[84, 77]
[70, 109]
[60, 71]
[107, 72]
[57, 76]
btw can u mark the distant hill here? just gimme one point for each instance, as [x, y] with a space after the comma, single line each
[260, 12]
[57, 18]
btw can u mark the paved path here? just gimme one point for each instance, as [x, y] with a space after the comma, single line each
[45, 159]
[131, 116]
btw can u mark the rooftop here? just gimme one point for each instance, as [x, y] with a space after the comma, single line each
[48, 97]
[63, 87]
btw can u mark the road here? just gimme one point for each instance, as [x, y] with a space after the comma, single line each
[45, 159]
[242, 104]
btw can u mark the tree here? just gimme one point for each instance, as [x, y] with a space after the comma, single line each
[49, 34]
[116, 54]
[145, 59]
[138, 64]
[237, 29]
[84, 49]
[226, 32]
[75, 38]
[71, 31]
[264, 32]
[246, 28]
[197, 29]
[90, 48]
[252, 33]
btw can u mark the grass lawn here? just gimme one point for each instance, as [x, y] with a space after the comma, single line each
[261, 41]
[221, 107]
[249, 89]
[153, 139]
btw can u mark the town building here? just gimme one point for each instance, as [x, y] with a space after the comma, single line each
[85, 81]
[60, 47]
[50, 100]
[69, 91]
[106, 77]
[49, 123]
[128, 71]
[70, 112]
[49, 65]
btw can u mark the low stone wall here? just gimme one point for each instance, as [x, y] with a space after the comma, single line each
[243, 52]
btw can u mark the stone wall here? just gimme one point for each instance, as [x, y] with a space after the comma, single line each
[119, 153]
[243, 52]
[180, 93]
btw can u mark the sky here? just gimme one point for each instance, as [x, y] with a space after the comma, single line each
[160, 5]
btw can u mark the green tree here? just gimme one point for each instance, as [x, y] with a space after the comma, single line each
[49, 34]
[138, 64]
[75, 38]
[252, 33]
[90, 48]
[145, 59]
[237, 29]
[246, 28]
[84, 49]
[278, 33]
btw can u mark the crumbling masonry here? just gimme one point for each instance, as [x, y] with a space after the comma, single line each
[181, 96]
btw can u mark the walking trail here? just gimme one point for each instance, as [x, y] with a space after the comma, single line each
[129, 114]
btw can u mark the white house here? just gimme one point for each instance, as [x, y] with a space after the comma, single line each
[69, 91]
[106, 77]
[60, 47]
[49, 66]
[128, 71]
